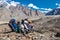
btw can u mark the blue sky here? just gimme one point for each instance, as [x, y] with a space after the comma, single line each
[42, 5]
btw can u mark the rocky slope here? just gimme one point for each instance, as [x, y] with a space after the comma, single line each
[45, 28]
[48, 23]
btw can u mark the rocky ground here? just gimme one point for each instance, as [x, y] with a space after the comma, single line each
[44, 29]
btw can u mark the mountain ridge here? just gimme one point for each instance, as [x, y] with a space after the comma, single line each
[55, 11]
[18, 12]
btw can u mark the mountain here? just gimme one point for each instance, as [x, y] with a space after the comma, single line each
[54, 12]
[17, 11]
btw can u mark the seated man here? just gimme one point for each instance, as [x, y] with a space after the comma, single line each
[13, 25]
[10, 24]
[24, 27]
[30, 26]
[26, 21]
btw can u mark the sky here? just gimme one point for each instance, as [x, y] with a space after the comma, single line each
[42, 5]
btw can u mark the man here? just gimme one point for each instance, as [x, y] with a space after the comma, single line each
[30, 26]
[13, 25]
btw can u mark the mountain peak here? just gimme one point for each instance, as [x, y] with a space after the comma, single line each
[55, 11]
[8, 3]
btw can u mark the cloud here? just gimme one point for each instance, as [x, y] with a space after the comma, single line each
[33, 6]
[47, 9]
[58, 5]
[44, 11]
[13, 3]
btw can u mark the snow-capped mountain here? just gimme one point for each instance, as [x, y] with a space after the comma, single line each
[55, 11]
[8, 4]
[16, 10]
